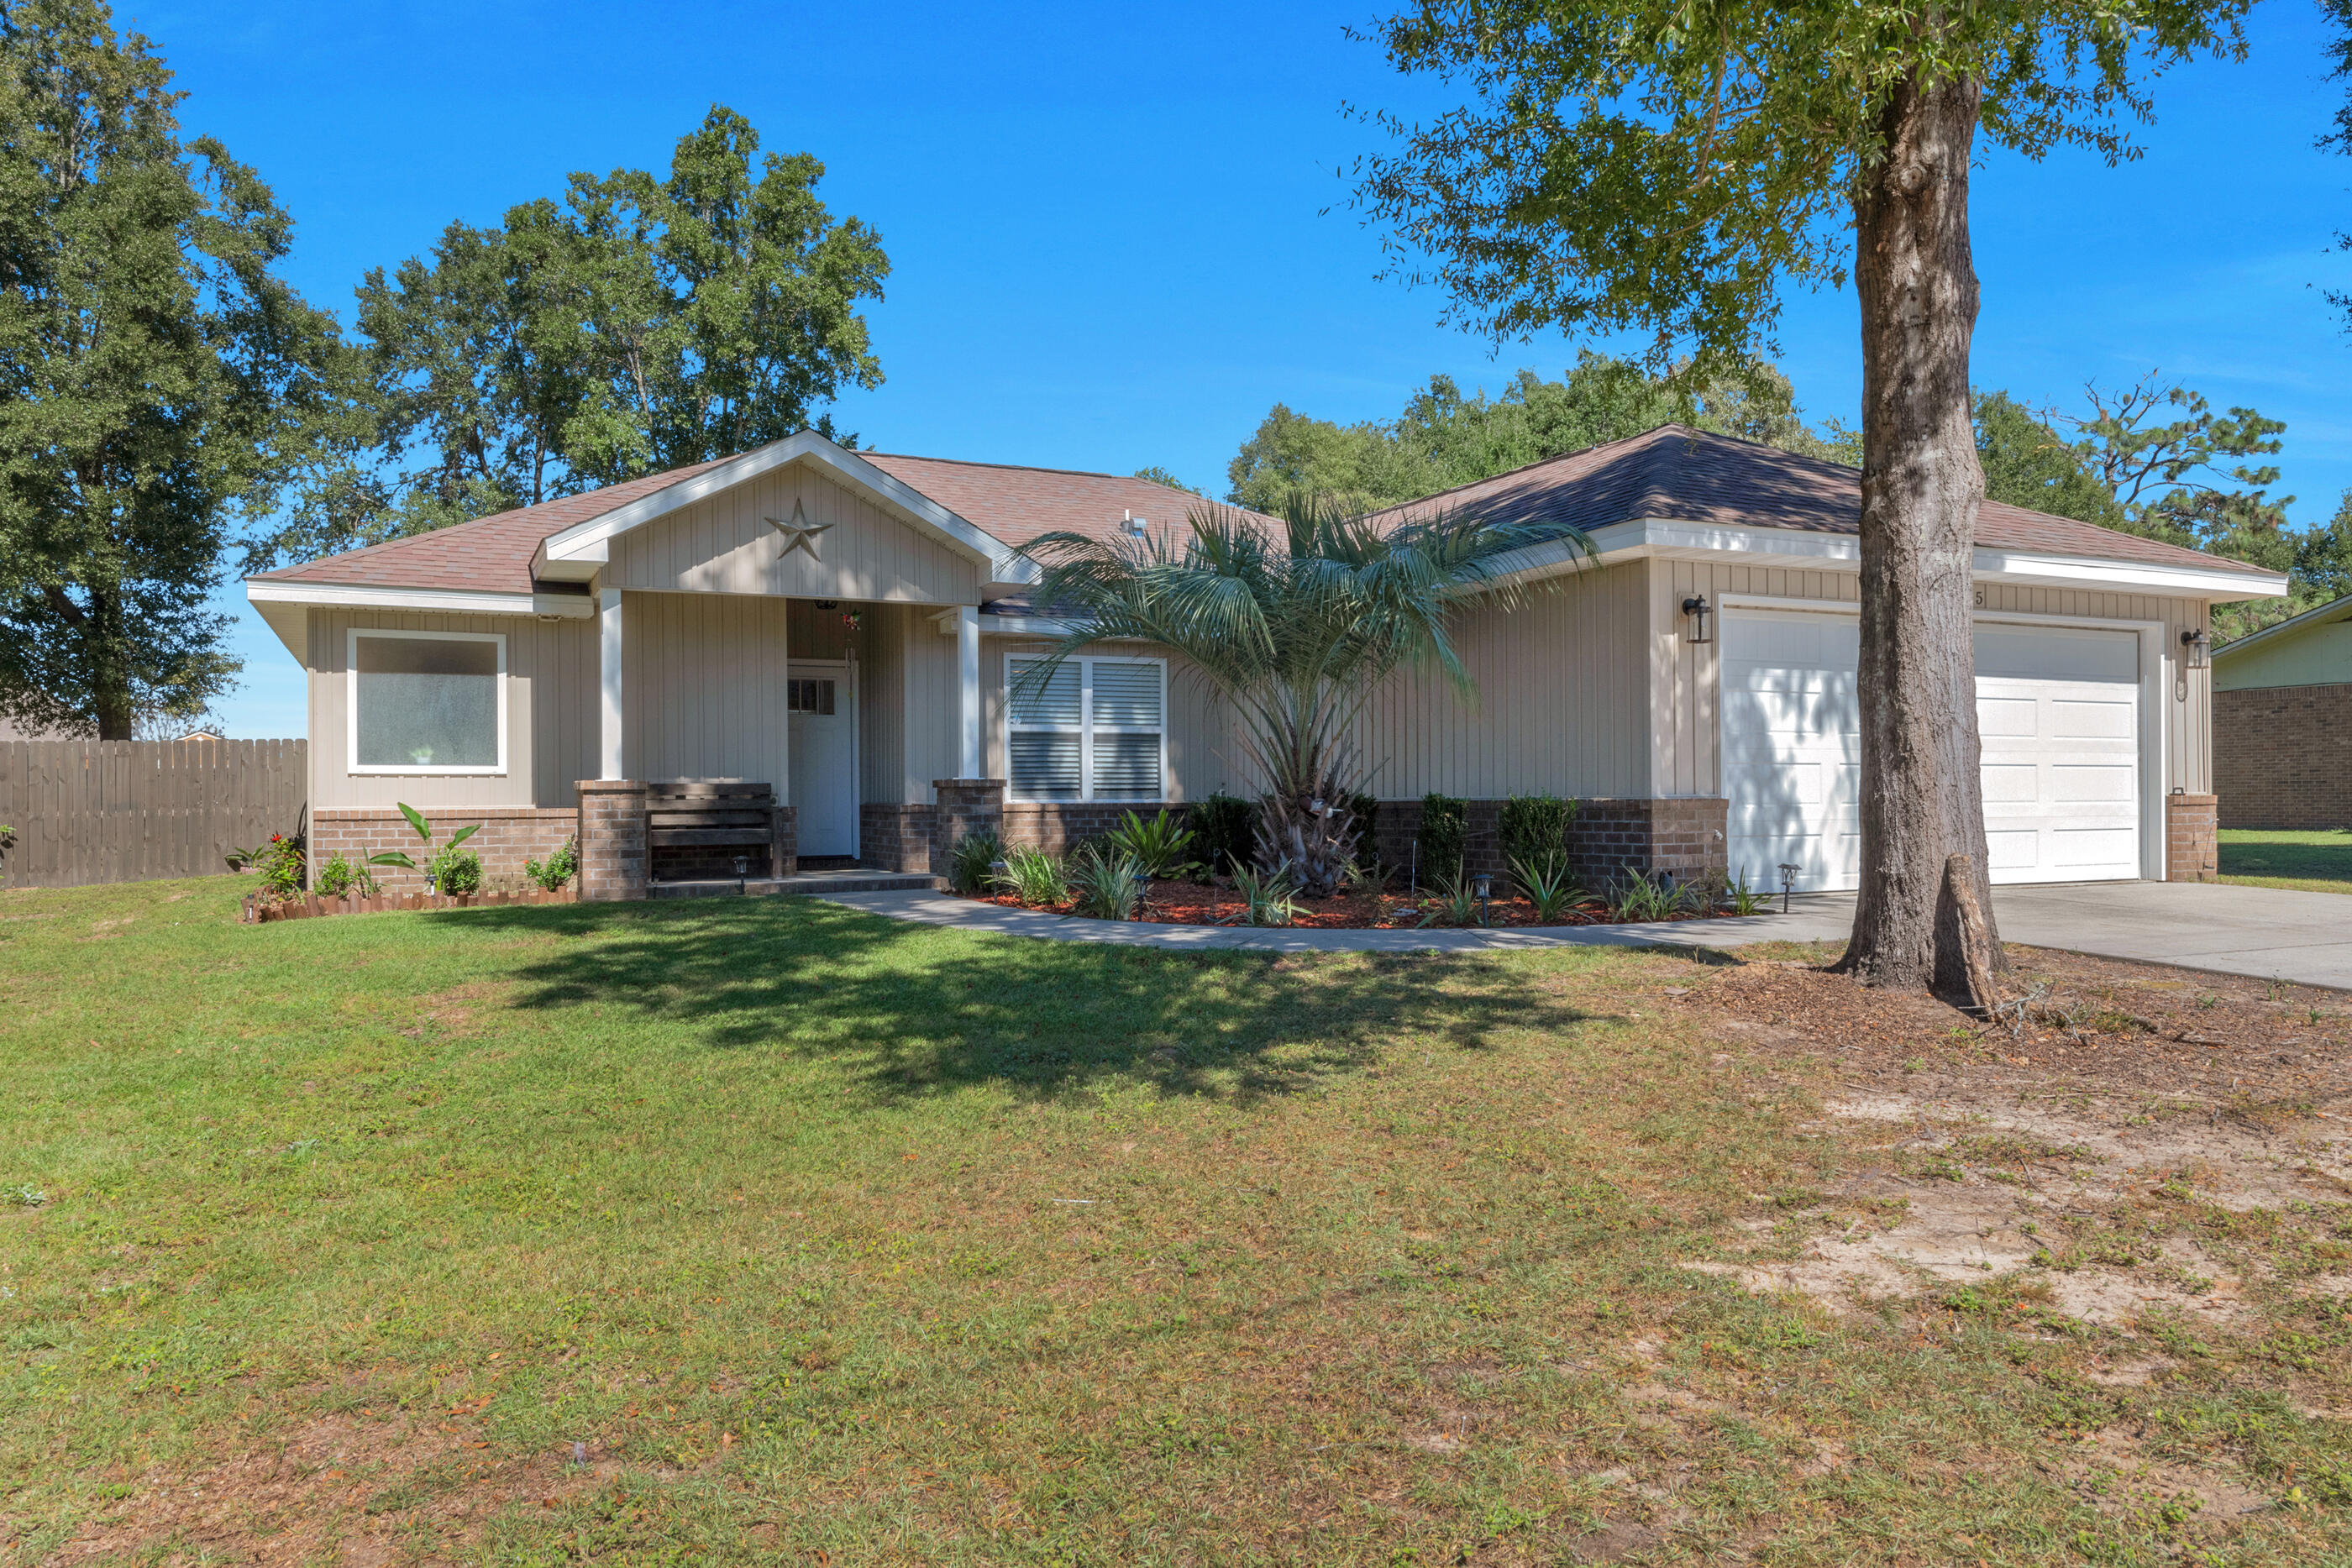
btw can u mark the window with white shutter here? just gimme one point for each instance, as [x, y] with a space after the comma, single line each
[1094, 729]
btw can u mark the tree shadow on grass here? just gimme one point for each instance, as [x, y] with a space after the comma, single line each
[931, 1009]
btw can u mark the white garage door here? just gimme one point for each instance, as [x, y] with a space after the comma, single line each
[2058, 709]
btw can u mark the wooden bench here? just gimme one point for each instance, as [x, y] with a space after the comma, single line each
[720, 820]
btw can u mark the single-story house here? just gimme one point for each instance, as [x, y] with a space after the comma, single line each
[843, 624]
[2283, 723]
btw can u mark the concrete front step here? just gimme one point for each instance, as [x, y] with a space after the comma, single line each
[857, 879]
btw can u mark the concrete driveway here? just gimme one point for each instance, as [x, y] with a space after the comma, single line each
[2268, 933]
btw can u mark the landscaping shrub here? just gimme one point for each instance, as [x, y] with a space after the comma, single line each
[1548, 886]
[1224, 832]
[1363, 809]
[1444, 831]
[1162, 846]
[456, 870]
[1534, 830]
[278, 863]
[1036, 878]
[969, 861]
[557, 869]
[1104, 882]
[1268, 898]
[338, 878]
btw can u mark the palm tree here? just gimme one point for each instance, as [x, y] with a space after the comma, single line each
[1294, 621]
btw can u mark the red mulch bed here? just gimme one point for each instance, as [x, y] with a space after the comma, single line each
[1199, 903]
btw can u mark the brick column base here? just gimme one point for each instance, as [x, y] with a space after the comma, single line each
[613, 862]
[965, 805]
[2192, 838]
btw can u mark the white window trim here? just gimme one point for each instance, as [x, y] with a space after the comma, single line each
[351, 704]
[1085, 729]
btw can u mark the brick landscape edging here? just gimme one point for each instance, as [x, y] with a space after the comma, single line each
[311, 906]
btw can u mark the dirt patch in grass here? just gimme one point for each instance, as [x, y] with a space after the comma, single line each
[353, 1489]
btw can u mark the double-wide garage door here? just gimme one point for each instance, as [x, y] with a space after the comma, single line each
[2058, 709]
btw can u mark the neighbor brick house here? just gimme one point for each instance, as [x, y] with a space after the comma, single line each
[2283, 723]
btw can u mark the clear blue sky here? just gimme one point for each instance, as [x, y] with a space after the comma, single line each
[1109, 229]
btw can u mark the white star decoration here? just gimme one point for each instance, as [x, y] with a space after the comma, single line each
[799, 534]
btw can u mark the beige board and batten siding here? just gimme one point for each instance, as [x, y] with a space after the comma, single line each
[2315, 654]
[552, 686]
[703, 692]
[1559, 700]
[909, 705]
[723, 544]
[1685, 742]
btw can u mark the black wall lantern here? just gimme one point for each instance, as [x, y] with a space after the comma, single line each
[1698, 610]
[2196, 650]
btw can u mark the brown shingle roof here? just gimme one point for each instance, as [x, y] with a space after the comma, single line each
[1673, 473]
[1015, 505]
[488, 555]
[493, 554]
[1681, 475]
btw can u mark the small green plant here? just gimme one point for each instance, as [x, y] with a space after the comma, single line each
[1744, 899]
[1455, 901]
[1550, 887]
[1036, 878]
[338, 878]
[557, 869]
[455, 869]
[1104, 881]
[1223, 830]
[1162, 846]
[1644, 896]
[969, 862]
[1445, 832]
[1365, 876]
[278, 863]
[425, 832]
[1269, 898]
[23, 1195]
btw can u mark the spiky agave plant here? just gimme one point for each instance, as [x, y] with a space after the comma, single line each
[1294, 621]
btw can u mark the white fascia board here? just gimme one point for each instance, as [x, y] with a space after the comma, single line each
[1033, 626]
[584, 542]
[431, 600]
[1676, 540]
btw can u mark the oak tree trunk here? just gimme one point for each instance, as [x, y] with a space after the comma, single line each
[1922, 801]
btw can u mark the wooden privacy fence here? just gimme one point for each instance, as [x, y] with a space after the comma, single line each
[127, 811]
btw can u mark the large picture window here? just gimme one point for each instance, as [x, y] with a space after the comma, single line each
[1095, 730]
[427, 702]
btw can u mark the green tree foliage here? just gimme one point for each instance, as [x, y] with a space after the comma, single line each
[1159, 475]
[1444, 438]
[641, 323]
[163, 382]
[2124, 464]
[1293, 625]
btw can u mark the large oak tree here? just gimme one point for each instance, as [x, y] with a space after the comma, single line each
[1672, 166]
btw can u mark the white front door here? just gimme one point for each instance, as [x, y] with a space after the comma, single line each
[2058, 709]
[824, 716]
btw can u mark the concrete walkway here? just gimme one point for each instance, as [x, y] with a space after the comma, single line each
[2266, 932]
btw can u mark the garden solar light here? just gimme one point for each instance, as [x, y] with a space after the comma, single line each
[742, 865]
[1481, 884]
[1788, 884]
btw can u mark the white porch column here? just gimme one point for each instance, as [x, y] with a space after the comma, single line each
[609, 751]
[968, 688]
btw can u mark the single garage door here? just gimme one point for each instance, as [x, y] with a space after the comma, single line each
[2058, 709]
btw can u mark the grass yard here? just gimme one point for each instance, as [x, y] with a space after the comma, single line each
[2319, 862]
[735, 1231]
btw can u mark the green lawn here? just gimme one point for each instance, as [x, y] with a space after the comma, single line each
[837, 1241]
[2259, 857]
